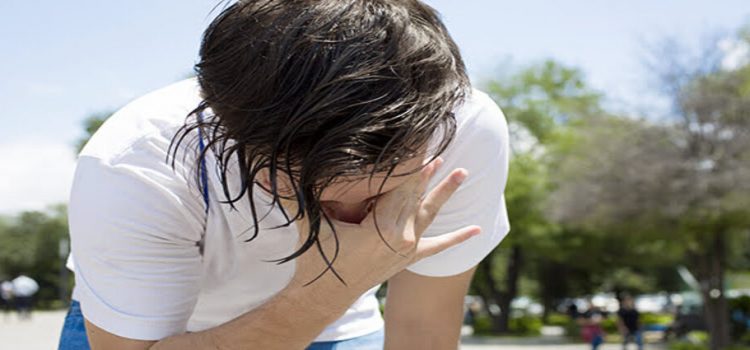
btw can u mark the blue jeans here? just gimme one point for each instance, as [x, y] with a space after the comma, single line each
[73, 336]
[635, 336]
[596, 341]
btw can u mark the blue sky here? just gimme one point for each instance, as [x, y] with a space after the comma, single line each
[61, 61]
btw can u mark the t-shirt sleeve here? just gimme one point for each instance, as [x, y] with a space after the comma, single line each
[135, 223]
[480, 146]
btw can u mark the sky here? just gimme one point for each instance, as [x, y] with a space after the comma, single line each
[62, 61]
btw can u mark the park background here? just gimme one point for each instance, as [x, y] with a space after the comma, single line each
[630, 127]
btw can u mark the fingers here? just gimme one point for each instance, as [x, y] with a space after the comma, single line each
[390, 208]
[427, 173]
[414, 193]
[434, 200]
[429, 246]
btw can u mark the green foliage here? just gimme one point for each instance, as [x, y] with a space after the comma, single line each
[90, 125]
[650, 318]
[482, 325]
[31, 246]
[737, 279]
[537, 100]
[526, 189]
[687, 346]
[693, 346]
[572, 328]
[543, 96]
[609, 324]
[666, 192]
[522, 325]
[558, 319]
[526, 325]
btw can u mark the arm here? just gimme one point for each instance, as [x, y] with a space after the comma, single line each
[425, 312]
[266, 327]
[621, 325]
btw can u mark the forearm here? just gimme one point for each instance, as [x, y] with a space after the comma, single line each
[290, 320]
[445, 336]
[425, 312]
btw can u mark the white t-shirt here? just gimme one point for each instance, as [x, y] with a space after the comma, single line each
[137, 225]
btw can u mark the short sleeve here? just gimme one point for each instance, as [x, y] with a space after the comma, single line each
[480, 145]
[134, 225]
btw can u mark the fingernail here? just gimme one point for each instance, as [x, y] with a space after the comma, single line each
[475, 232]
[461, 176]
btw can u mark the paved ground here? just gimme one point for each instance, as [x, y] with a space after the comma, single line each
[537, 344]
[43, 332]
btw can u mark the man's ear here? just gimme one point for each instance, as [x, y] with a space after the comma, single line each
[283, 185]
[264, 178]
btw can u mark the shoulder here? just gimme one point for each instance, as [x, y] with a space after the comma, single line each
[480, 123]
[480, 144]
[479, 110]
[481, 134]
[151, 119]
[123, 176]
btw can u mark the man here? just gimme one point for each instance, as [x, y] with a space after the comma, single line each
[24, 288]
[322, 138]
[6, 297]
[628, 323]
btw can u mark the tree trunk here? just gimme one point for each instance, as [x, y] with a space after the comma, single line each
[710, 272]
[488, 290]
[547, 305]
[487, 287]
[552, 279]
[511, 288]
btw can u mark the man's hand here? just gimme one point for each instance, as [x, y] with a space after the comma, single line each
[388, 240]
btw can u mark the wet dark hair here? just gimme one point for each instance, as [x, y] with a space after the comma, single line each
[322, 89]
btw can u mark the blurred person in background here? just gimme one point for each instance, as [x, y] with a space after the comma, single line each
[6, 297]
[24, 288]
[628, 323]
[590, 322]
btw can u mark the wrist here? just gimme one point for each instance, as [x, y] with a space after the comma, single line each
[326, 298]
[305, 309]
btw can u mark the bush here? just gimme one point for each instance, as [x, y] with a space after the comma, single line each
[526, 325]
[609, 325]
[482, 325]
[698, 337]
[650, 319]
[691, 346]
[699, 342]
[557, 319]
[687, 346]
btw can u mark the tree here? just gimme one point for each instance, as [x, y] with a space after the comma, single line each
[90, 125]
[675, 187]
[32, 246]
[536, 101]
[34, 241]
